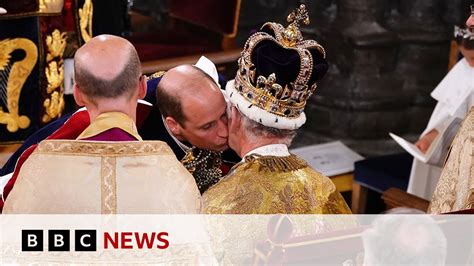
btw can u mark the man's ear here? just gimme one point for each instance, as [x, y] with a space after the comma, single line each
[142, 87]
[78, 96]
[174, 127]
[235, 119]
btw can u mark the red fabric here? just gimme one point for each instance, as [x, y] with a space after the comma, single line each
[143, 111]
[68, 15]
[466, 211]
[197, 30]
[225, 168]
[164, 44]
[155, 51]
[215, 15]
[70, 130]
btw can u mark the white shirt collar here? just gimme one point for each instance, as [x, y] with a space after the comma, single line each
[280, 150]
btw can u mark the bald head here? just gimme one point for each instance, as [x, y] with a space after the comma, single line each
[107, 66]
[183, 81]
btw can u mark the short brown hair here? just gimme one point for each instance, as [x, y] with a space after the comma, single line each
[170, 105]
[123, 84]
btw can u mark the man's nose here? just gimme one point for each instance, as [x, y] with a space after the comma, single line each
[470, 22]
[222, 130]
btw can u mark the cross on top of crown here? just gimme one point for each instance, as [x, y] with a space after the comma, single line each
[299, 15]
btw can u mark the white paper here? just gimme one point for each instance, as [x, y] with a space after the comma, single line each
[417, 153]
[411, 148]
[333, 158]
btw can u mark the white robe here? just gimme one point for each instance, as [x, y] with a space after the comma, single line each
[455, 97]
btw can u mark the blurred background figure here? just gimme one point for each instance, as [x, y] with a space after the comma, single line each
[404, 240]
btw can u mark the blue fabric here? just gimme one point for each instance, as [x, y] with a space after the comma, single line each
[383, 172]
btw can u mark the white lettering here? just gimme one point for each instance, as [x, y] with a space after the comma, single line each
[58, 240]
[82, 240]
[32, 241]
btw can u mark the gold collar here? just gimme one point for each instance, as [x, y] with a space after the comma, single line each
[109, 120]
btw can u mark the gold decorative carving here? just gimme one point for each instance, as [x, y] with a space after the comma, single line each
[292, 35]
[56, 43]
[17, 76]
[85, 20]
[50, 6]
[53, 106]
[54, 72]
[54, 75]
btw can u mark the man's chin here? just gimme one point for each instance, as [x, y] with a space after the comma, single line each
[222, 148]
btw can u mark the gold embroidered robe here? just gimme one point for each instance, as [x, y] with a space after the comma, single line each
[455, 189]
[271, 184]
[92, 177]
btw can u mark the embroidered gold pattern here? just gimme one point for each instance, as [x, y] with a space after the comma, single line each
[97, 148]
[85, 20]
[108, 186]
[456, 184]
[54, 104]
[155, 75]
[18, 73]
[269, 184]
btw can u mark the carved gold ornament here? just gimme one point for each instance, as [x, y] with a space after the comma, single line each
[54, 75]
[53, 106]
[56, 43]
[50, 6]
[54, 72]
[292, 35]
[85, 20]
[13, 78]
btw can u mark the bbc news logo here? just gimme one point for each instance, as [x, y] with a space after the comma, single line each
[59, 240]
[86, 240]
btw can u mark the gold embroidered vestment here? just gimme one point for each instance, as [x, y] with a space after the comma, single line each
[270, 184]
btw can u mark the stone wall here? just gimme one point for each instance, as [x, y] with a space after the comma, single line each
[385, 56]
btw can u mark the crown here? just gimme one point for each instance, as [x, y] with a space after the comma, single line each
[463, 33]
[263, 78]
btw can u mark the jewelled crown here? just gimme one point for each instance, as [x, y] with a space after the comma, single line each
[463, 33]
[278, 72]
